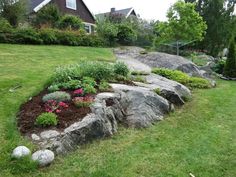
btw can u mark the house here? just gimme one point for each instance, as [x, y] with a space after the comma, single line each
[73, 7]
[123, 12]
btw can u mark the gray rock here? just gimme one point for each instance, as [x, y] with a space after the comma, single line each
[142, 107]
[160, 60]
[90, 128]
[49, 134]
[35, 137]
[173, 91]
[43, 157]
[20, 151]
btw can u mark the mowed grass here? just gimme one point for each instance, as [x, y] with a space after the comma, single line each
[198, 138]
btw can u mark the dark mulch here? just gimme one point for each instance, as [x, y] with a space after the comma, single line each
[34, 107]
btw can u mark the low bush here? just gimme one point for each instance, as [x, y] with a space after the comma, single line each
[178, 76]
[172, 75]
[70, 22]
[139, 78]
[104, 86]
[140, 73]
[126, 35]
[83, 101]
[26, 36]
[57, 96]
[196, 82]
[48, 36]
[121, 68]
[219, 67]
[46, 119]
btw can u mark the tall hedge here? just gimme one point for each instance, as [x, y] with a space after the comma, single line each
[230, 66]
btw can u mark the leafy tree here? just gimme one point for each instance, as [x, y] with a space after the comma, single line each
[108, 31]
[184, 24]
[219, 18]
[126, 35]
[48, 16]
[230, 66]
[70, 22]
[13, 11]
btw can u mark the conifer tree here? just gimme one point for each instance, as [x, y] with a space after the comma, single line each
[230, 66]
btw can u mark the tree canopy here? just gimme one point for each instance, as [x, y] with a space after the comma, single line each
[184, 24]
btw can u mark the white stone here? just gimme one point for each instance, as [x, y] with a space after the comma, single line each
[20, 151]
[43, 157]
[35, 137]
[49, 134]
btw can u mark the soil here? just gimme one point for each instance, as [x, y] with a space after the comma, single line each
[35, 106]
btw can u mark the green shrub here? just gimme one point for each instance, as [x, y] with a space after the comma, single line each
[126, 35]
[54, 88]
[57, 96]
[219, 67]
[157, 91]
[70, 22]
[178, 76]
[97, 70]
[135, 73]
[121, 68]
[172, 75]
[48, 16]
[104, 86]
[27, 36]
[48, 36]
[195, 82]
[139, 78]
[89, 89]
[72, 85]
[67, 38]
[46, 119]
[5, 25]
[88, 81]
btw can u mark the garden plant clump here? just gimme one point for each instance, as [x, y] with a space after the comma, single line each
[66, 101]
[192, 82]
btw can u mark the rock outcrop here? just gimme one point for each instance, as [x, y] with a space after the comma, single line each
[160, 60]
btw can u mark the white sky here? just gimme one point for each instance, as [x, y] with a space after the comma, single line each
[147, 9]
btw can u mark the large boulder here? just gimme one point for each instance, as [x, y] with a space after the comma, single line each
[160, 60]
[173, 91]
[141, 106]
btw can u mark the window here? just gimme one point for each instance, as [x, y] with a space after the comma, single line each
[71, 4]
[87, 28]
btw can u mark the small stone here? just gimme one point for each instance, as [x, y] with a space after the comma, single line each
[49, 134]
[35, 137]
[43, 157]
[20, 151]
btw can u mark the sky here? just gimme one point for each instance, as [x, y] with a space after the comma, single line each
[147, 9]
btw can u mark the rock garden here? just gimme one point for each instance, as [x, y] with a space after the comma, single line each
[89, 100]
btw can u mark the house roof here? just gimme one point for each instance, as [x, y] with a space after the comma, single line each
[125, 12]
[36, 5]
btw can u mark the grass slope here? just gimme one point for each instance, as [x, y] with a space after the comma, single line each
[198, 138]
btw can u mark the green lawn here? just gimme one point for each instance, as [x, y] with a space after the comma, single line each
[198, 138]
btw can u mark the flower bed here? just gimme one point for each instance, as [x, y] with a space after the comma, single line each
[66, 115]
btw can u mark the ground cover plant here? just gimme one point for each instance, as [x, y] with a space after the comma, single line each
[192, 82]
[197, 139]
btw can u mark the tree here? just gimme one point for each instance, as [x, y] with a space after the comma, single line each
[13, 11]
[70, 22]
[48, 15]
[184, 24]
[230, 66]
[219, 18]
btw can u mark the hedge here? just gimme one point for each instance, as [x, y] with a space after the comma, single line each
[50, 36]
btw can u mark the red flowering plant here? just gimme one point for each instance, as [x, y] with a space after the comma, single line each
[53, 106]
[79, 92]
[83, 101]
